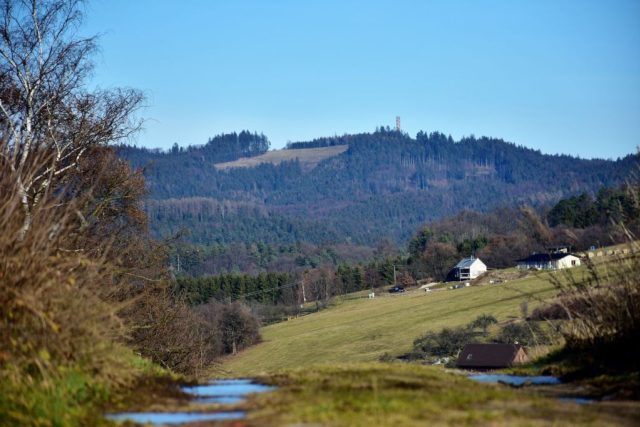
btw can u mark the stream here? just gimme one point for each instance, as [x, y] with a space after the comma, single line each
[223, 392]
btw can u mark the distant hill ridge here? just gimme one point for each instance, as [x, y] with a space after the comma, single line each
[356, 188]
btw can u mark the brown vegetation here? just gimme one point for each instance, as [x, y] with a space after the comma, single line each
[79, 277]
[308, 157]
[600, 312]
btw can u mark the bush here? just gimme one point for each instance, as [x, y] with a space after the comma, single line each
[447, 342]
[189, 339]
[450, 341]
[239, 327]
[484, 321]
[524, 333]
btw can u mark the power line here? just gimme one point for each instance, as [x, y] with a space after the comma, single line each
[289, 285]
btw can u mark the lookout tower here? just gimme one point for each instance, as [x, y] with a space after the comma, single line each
[398, 123]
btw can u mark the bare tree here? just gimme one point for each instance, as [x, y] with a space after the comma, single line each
[48, 118]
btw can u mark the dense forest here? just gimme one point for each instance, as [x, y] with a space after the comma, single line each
[384, 186]
[499, 237]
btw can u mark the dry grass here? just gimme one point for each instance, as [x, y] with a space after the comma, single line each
[603, 308]
[308, 157]
[377, 394]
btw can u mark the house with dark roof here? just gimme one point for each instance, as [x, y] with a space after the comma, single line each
[467, 269]
[549, 261]
[491, 356]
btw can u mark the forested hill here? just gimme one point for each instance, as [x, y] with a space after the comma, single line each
[219, 149]
[383, 186]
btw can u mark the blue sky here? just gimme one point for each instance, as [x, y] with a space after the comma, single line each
[559, 76]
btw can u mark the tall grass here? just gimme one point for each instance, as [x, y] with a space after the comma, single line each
[61, 333]
[602, 309]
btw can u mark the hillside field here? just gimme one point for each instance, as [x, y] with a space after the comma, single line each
[308, 157]
[357, 329]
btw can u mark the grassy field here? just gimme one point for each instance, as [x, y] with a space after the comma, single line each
[378, 394]
[308, 157]
[361, 330]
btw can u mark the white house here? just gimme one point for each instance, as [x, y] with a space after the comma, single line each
[467, 269]
[552, 261]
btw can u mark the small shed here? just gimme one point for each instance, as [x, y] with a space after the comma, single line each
[467, 269]
[549, 261]
[491, 356]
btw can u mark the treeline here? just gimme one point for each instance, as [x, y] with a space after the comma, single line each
[609, 206]
[218, 149]
[292, 289]
[266, 288]
[254, 258]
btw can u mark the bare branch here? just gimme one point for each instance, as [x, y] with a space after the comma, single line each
[45, 109]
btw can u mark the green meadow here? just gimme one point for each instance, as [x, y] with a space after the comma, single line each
[357, 329]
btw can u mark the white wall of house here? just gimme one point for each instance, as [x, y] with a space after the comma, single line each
[535, 265]
[558, 264]
[566, 262]
[475, 269]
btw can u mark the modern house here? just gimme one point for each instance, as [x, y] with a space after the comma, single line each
[467, 269]
[491, 356]
[549, 261]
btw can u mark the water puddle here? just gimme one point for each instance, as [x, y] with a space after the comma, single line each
[163, 418]
[518, 381]
[515, 380]
[227, 388]
[222, 392]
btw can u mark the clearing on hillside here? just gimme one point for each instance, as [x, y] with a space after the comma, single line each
[308, 157]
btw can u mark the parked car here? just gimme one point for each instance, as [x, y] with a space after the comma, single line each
[396, 290]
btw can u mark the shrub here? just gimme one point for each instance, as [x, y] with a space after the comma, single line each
[484, 321]
[523, 333]
[447, 342]
[239, 327]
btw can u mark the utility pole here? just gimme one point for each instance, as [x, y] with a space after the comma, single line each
[394, 275]
[304, 297]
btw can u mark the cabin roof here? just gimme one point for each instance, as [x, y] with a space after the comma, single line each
[488, 355]
[466, 262]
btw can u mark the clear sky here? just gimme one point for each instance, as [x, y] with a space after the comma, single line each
[559, 76]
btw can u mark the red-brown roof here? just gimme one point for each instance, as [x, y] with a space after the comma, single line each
[484, 356]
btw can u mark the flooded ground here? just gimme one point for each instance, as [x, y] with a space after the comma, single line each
[164, 418]
[235, 388]
[515, 380]
[222, 392]
[550, 386]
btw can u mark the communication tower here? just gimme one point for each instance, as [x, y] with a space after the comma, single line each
[398, 123]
